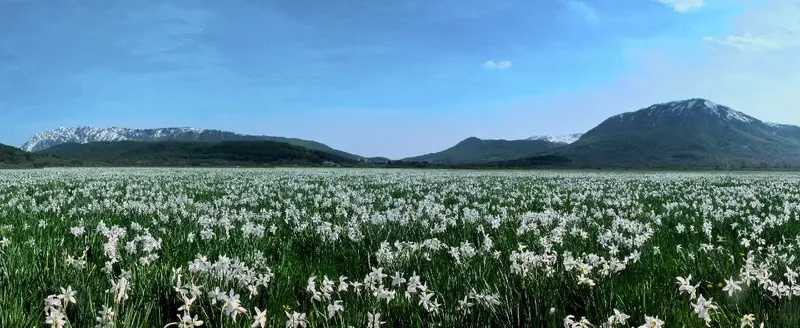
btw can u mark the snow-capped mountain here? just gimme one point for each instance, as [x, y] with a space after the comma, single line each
[86, 134]
[692, 107]
[692, 131]
[558, 138]
[688, 115]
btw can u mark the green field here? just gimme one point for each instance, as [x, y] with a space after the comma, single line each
[397, 248]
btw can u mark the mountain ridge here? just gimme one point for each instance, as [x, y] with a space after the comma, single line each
[87, 134]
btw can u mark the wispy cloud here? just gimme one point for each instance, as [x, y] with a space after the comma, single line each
[773, 26]
[583, 9]
[503, 64]
[756, 42]
[683, 6]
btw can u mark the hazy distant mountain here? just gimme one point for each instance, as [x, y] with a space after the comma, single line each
[558, 138]
[693, 131]
[84, 134]
[473, 150]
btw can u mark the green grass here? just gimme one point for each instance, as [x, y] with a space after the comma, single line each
[452, 207]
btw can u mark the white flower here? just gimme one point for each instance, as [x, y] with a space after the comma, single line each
[68, 295]
[583, 280]
[55, 319]
[311, 287]
[398, 279]
[187, 303]
[216, 295]
[618, 318]
[426, 302]
[464, 306]
[343, 285]
[569, 321]
[748, 320]
[703, 307]
[259, 319]
[52, 303]
[188, 322]
[232, 306]
[732, 286]
[296, 320]
[652, 322]
[334, 308]
[685, 286]
[374, 320]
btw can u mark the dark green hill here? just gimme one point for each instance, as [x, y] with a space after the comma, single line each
[12, 157]
[310, 144]
[473, 151]
[193, 153]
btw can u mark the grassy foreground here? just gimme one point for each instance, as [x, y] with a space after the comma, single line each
[397, 248]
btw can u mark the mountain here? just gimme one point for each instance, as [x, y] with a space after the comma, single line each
[687, 132]
[559, 138]
[84, 134]
[473, 150]
[193, 153]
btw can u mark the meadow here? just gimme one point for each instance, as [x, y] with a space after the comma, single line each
[397, 248]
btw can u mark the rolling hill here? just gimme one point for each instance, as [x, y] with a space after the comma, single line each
[12, 157]
[474, 150]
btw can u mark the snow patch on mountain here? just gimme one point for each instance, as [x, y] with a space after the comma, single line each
[710, 104]
[86, 134]
[558, 138]
[780, 126]
[696, 104]
[737, 115]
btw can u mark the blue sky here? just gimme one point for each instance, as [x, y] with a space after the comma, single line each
[390, 78]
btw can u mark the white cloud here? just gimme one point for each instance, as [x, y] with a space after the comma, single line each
[503, 64]
[583, 9]
[683, 6]
[774, 25]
